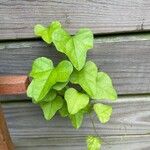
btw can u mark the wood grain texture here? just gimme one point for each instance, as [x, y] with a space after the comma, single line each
[17, 18]
[125, 58]
[134, 142]
[128, 128]
[131, 115]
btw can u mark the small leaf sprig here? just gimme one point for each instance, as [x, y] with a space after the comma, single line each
[52, 87]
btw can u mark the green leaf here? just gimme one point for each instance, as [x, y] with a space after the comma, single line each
[60, 85]
[51, 95]
[75, 100]
[74, 47]
[86, 78]
[40, 86]
[41, 70]
[40, 66]
[104, 87]
[62, 92]
[63, 71]
[64, 110]
[60, 37]
[103, 112]
[30, 89]
[50, 108]
[77, 47]
[46, 33]
[88, 109]
[77, 119]
[93, 143]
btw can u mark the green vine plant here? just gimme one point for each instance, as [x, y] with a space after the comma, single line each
[54, 88]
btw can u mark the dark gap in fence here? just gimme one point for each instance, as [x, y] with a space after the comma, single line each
[97, 35]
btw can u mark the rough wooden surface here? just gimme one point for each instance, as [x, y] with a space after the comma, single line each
[17, 18]
[131, 115]
[133, 142]
[125, 58]
[128, 128]
[5, 140]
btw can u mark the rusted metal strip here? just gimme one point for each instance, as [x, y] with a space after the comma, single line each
[5, 140]
[15, 84]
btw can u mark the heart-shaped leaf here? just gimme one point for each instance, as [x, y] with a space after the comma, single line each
[75, 100]
[86, 78]
[93, 143]
[77, 47]
[104, 87]
[60, 37]
[103, 112]
[51, 95]
[63, 71]
[64, 110]
[74, 47]
[77, 119]
[50, 108]
[46, 32]
[40, 66]
[40, 86]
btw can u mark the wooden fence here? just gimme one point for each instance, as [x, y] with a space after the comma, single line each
[121, 48]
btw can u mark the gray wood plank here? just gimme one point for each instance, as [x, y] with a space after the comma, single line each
[17, 18]
[125, 58]
[131, 115]
[134, 142]
[128, 128]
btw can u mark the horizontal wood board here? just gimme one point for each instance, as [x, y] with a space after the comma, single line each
[129, 127]
[78, 143]
[17, 18]
[125, 58]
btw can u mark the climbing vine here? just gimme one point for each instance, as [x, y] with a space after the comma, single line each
[54, 88]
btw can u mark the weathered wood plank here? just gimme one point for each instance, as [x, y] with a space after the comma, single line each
[131, 116]
[134, 142]
[128, 128]
[17, 18]
[125, 58]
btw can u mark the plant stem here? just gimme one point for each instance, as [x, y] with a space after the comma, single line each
[94, 127]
